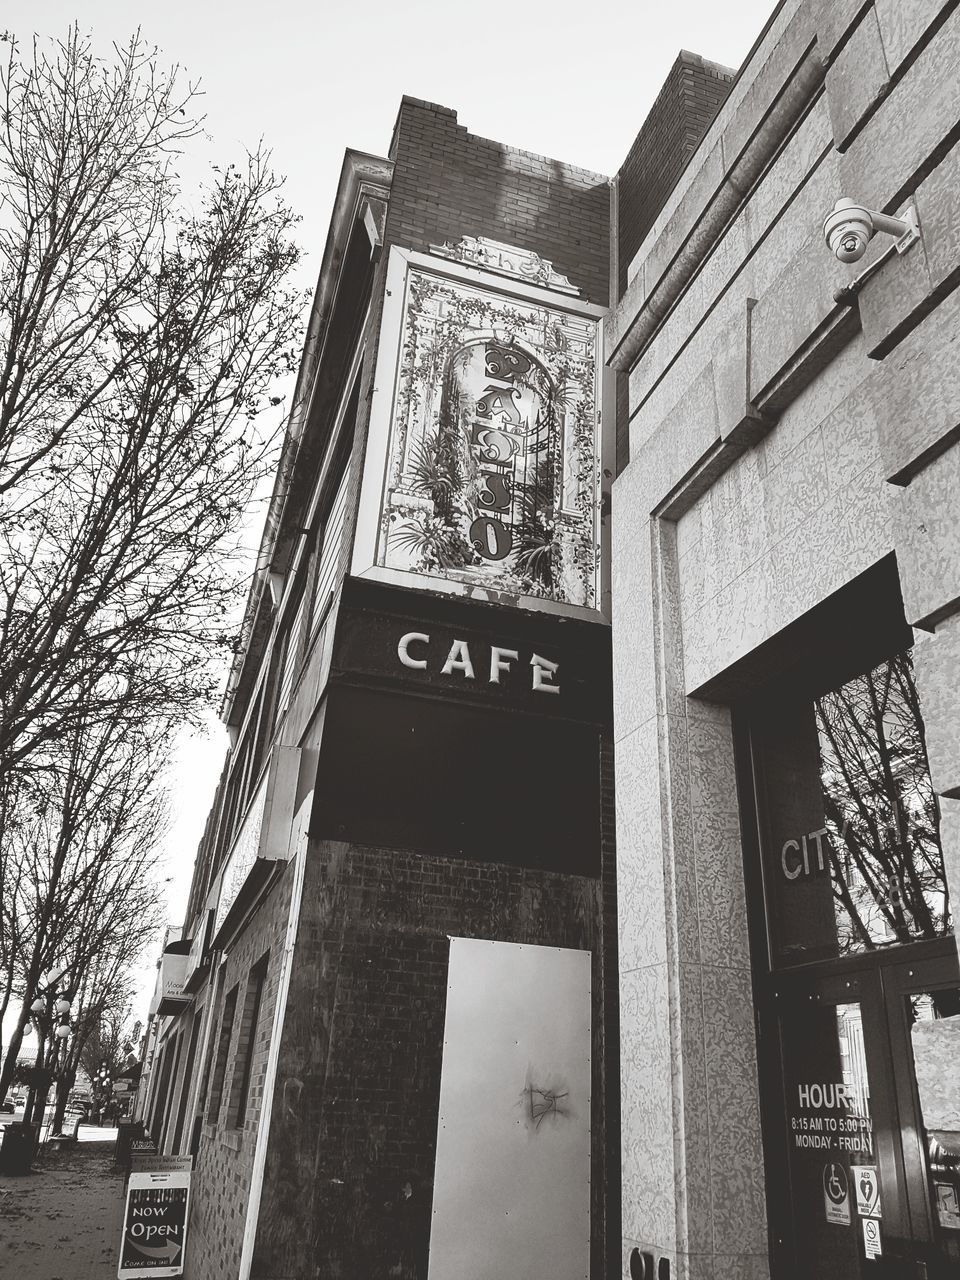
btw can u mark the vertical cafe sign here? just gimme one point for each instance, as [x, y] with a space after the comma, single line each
[493, 469]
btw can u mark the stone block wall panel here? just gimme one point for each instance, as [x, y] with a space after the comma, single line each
[909, 286]
[894, 299]
[938, 206]
[919, 122]
[857, 79]
[950, 842]
[767, 421]
[786, 46]
[937, 667]
[903, 26]
[834, 21]
[927, 527]
[915, 394]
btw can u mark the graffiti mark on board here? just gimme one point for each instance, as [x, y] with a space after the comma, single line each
[544, 1100]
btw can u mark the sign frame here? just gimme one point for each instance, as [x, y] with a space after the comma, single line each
[139, 1185]
[374, 485]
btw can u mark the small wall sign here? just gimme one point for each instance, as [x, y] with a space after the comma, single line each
[871, 1238]
[836, 1194]
[948, 1210]
[866, 1188]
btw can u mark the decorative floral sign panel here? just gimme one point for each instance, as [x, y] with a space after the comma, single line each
[493, 475]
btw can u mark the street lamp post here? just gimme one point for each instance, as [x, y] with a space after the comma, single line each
[50, 1012]
[101, 1085]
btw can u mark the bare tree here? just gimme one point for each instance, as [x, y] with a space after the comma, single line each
[139, 341]
[81, 888]
[101, 1005]
[886, 859]
[109, 1048]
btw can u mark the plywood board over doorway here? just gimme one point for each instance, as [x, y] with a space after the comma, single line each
[512, 1184]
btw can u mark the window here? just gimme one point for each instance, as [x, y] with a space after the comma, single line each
[852, 855]
[243, 1067]
[329, 557]
[291, 656]
[187, 1082]
[158, 1114]
[215, 997]
[223, 1046]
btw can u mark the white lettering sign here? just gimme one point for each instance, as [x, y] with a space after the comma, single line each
[497, 663]
[459, 661]
[827, 1095]
[795, 856]
[543, 673]
[850, 1132]
[403, 650]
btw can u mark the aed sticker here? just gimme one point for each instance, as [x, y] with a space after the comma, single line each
[871, 1237]
[867, 1190]
[836, 1194]
[948, 1210]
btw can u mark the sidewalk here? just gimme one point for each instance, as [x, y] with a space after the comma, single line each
[63, 1221]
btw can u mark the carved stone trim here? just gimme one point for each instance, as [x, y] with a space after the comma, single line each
[506, 260]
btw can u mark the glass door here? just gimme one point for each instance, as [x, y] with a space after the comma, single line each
[922, 1005]
[870, 1122]
[841, 1204]
[857, 984]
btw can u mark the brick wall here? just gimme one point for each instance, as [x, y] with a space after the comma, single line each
[349, 1179]
[348, 1189]
[448, 183]
[678, 119]
[221, 1181]
[691, 96]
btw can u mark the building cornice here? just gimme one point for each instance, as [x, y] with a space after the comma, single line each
[363, 188]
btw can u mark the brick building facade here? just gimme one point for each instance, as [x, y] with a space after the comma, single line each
[421, 754]
[394, 1036]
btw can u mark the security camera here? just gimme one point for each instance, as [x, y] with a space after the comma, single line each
[850, 227]
[848, 230]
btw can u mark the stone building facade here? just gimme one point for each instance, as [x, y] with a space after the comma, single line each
[786, 637]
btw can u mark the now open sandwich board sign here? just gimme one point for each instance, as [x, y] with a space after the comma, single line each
[154, 1225]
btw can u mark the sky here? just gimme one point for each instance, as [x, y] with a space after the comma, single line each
[573, 81]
